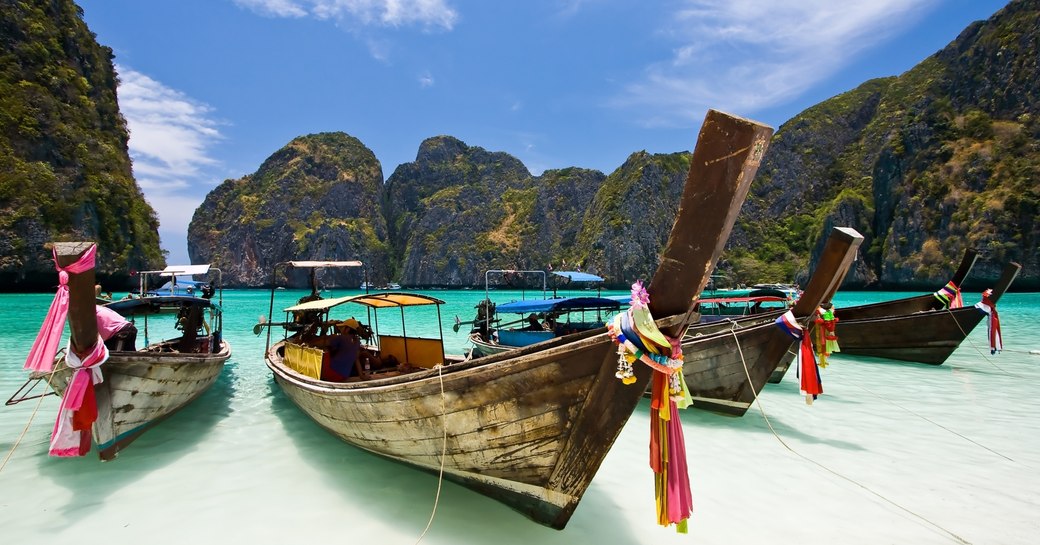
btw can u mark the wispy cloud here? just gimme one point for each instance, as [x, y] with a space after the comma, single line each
[170, 138]
[385, 13]
[748, 55]
[426, 80]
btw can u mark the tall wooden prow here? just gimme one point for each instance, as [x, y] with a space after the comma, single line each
[728, 153]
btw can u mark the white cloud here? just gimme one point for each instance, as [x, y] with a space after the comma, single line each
[426, 80]
[748, 55]
[386, 13]
[170, 137]
[274, 8]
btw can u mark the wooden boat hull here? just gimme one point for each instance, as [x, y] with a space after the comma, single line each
[920, 334]
[145, 388]
[528, 428]
[724, 370]
[726, 364]
[482, 348]
[531, 426]
[924, 337]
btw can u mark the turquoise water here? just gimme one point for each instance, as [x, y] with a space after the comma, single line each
[891, 453]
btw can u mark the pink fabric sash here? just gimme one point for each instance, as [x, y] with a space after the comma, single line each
[996, 341]
[41, 356]
[78, 409]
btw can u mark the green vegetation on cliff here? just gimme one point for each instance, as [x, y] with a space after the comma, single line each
[64, 165]
[926, 164]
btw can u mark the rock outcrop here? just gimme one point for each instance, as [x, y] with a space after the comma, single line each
[316, 198]
[64, 163]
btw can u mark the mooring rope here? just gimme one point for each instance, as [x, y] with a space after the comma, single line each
[747, 374]
[971, 343]
[926, 419]
[32, 416]
[444, 453]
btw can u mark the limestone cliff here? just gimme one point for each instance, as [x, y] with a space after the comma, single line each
[316, 198]
[924, 164]
[64, 162]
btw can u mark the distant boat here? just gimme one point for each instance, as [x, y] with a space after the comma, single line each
[385, 287]
[536, 320]
[918, 329]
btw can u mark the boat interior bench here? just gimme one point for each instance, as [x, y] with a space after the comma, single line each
[414, 351]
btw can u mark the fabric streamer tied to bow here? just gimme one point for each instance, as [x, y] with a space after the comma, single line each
[950, 296]
[78, 409]
[41, 356]
[987, 305]
[808, 371]
[826, 331]
[639, 339]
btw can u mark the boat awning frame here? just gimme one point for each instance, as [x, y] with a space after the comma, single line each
[578, 276]
[372, 300]
[316, 264]
[568, 304]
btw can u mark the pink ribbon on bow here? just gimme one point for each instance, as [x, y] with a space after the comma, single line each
[78, 409]
[41, 356]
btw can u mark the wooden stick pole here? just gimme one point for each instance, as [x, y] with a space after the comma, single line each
[82, 319]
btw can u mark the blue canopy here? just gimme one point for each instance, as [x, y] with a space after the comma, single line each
[567, 304]
[157, 304]
[577, 276]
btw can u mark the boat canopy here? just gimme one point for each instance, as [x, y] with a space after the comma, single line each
[178, 270]
[157, 303]
[315, 264]
[374, 300]
[577, 276]
[757, 299]
[559, 305]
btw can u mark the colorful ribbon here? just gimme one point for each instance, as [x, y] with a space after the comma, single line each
[44, 348]
[638, 339]
[987, 305]
[950, 296]
[811, 383]
[78, 409]
[826, 334]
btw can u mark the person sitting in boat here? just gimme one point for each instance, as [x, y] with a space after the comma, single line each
[308, 320]
[532, 323]
[345, 352]
[550, 321]
[119, 334]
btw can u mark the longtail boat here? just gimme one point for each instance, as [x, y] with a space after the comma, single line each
[728, 363]
[921, 329]
[138, 388]
[927, 336]
[530, 427]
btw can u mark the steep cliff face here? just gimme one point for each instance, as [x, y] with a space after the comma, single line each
[441, 207]
[316, 198]
[926, 164]
[631, 215]
[64, 162]
[459, 211]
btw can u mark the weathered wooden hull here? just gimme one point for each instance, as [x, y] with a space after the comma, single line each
[144, 388]
[915, 331]
[923, 337]
[482, 348]
[529, 428]
[725, 370]
[726, 364]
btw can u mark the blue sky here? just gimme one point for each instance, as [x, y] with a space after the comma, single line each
[211, 88]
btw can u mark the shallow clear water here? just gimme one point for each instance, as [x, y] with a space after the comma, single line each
[891, 453]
